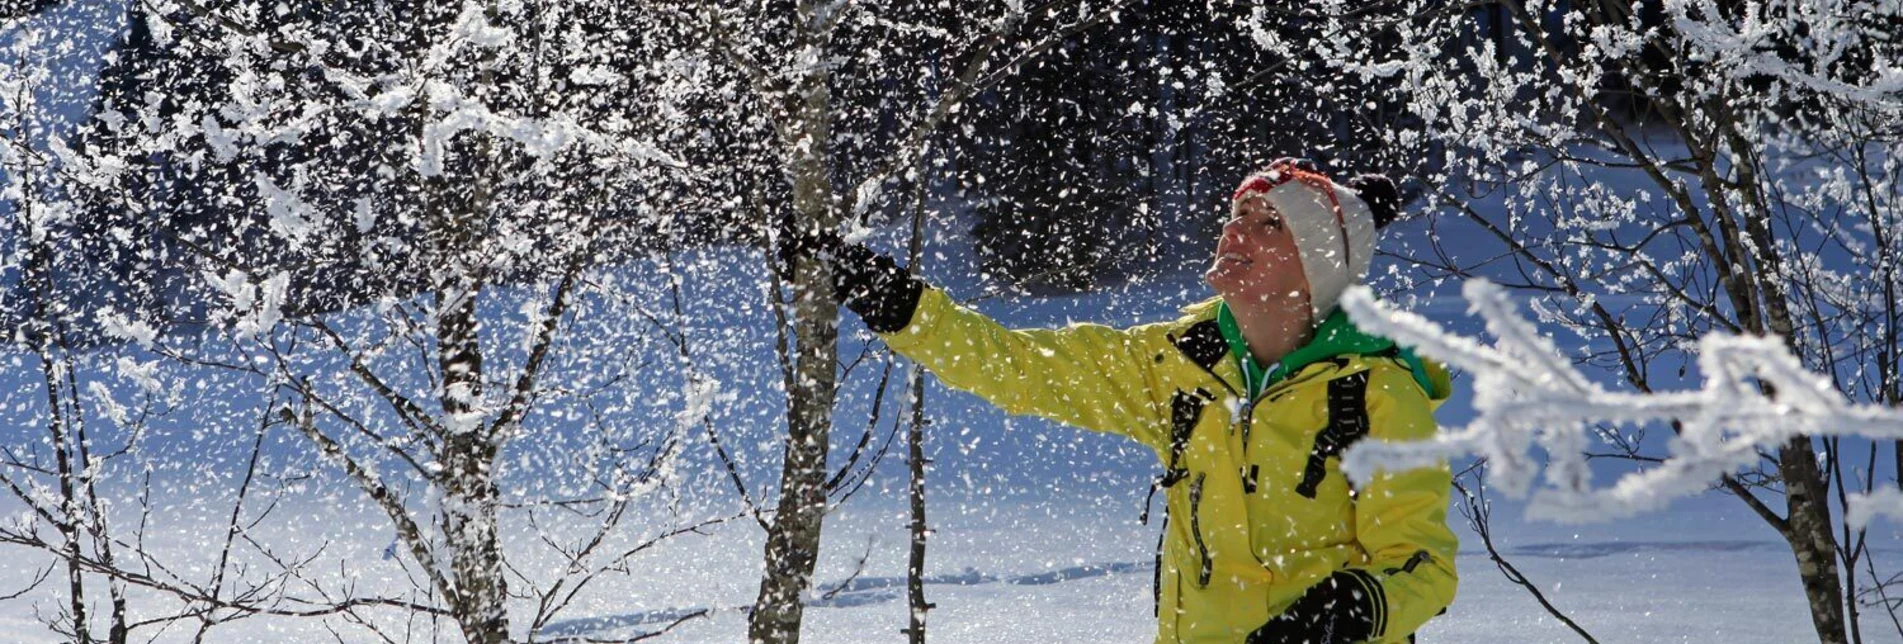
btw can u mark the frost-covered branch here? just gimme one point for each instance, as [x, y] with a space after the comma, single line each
[408, 410]
[523, 392]
[386, 499]
[1756, 396]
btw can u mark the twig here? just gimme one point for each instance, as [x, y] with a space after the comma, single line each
[1479, 513]
[857, 569]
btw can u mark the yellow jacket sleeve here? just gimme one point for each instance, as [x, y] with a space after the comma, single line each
[1401, 517]
[1089, 375]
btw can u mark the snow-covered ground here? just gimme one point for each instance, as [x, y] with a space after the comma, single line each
[1039, 574]
[1054, 572]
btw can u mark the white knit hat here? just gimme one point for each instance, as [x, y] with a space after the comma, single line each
[1333, 227]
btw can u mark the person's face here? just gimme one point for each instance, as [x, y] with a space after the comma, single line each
[1256, 260]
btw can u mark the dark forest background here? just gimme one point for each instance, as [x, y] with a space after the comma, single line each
[1109, 158]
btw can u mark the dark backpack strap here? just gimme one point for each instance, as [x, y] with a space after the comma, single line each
[1186, 407]
[1202, 343]
[1347, 423]
[1156, 578]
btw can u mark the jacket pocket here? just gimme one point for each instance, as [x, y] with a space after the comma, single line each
[1207, 567]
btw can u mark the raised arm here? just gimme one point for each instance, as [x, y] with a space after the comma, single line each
[1088, 375]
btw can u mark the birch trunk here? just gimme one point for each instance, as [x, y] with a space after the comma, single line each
[469, 489]
[1811, 539]
[68, 525]
[915, 439]
[1806, 492]
[1759, 296]
[469, 506]
[45, 329]
[792, 543]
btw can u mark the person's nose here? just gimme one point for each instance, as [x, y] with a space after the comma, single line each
[1235, 231]
[1232, 229]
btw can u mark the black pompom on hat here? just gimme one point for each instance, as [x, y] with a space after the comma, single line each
[1382, 197]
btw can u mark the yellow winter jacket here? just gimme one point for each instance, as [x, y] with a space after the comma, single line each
[1258, 509]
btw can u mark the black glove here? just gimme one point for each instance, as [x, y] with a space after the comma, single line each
[873, 285]
[1339, 610]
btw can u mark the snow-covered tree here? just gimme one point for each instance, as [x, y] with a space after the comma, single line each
[55, 477]
[396, 218]
[82, 413]
[408, 225]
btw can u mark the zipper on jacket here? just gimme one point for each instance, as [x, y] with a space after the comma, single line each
[1196, 530]
[1245, 417]
[1247, 469]
[1415, 560]
[1246, 413]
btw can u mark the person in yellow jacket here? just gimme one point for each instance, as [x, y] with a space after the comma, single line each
[1247, 400]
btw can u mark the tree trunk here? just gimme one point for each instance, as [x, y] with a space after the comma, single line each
[469, 452]
[1811, 539]
[468, 479]
[470, 498]
[915, 453]
[116, 629]
[469, 531]
[792, 543]
[44, 330]
[68, 525]
[915, 436]
[1806, 492]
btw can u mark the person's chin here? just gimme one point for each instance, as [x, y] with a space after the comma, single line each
[1220, 278]
[1225, 282]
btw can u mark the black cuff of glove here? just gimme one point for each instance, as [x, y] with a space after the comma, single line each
[1342, 609]
[871, 284]
[875, 287]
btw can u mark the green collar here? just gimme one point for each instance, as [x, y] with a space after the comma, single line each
[1255, 375]
[1335, 336]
